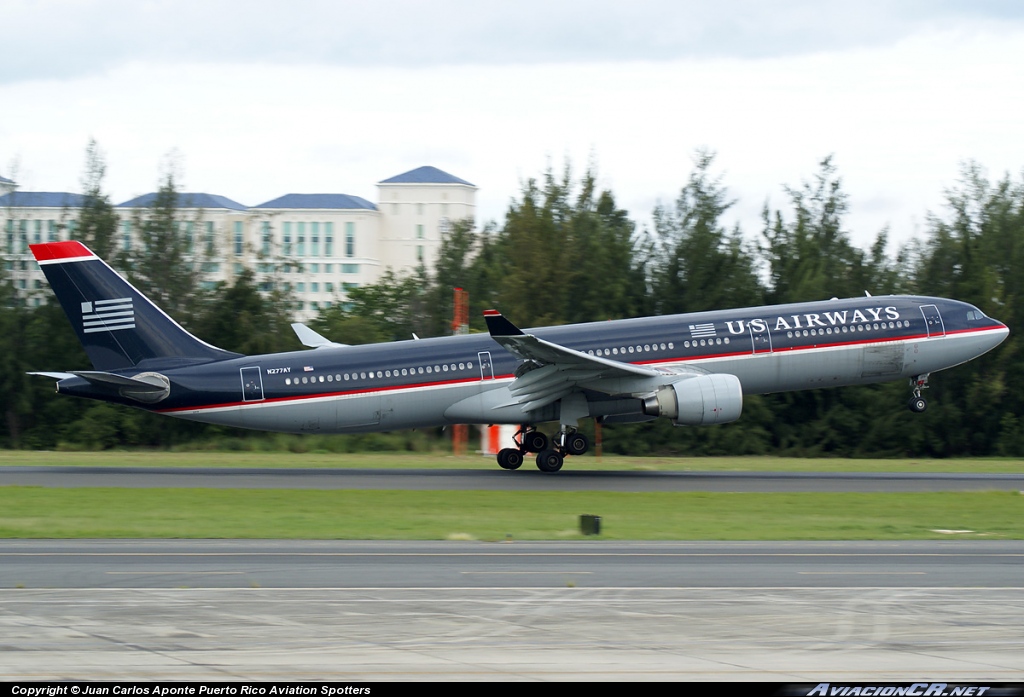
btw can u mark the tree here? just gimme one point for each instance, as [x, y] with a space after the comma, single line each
[238, 317]
[973, 252]
[699, 266]
[163, 264]
[97, 221]
[390, 310]
[568, 257]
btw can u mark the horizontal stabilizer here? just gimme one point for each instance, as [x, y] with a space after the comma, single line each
[55, 376]
[113, 381]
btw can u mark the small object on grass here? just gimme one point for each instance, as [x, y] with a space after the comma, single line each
[590, 524]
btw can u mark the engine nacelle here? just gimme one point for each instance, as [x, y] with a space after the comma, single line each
[702, 400]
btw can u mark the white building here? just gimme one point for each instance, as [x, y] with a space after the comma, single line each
[321, 245]
[30, 217]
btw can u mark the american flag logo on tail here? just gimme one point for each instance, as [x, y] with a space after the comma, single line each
[107, 315]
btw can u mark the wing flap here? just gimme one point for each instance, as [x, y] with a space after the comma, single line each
[561, 369]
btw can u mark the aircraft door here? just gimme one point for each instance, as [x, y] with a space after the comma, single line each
[252, 384]
[486, 367]
[933, 320]
[760, 337]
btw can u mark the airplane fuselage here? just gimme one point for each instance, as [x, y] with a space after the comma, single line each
[466, 379]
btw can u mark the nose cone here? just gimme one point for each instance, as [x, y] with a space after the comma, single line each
[995, 335]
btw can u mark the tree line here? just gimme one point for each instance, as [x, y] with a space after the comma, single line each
[566, 252]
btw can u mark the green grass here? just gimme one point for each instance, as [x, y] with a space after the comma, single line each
[399, 460]
[32, 512]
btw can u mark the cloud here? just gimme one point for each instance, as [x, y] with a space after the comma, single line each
[59, 39]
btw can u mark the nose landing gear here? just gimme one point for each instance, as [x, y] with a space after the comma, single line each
[918, 403]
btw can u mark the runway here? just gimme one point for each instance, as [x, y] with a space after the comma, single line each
[492, 478]
[590, 610]
[793, 612]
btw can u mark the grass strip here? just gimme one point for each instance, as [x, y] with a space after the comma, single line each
[409, 460]
[34, 512]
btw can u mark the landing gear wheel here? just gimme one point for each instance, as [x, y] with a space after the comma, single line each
[918, 403]
[510, 459]
[549, 461]
[576, 444]
[535, 442]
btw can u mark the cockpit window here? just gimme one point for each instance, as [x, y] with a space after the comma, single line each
[975, 315]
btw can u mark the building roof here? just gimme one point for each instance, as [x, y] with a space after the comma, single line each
[187, 200]
[42, 199]
[425, 175]
[342, 201]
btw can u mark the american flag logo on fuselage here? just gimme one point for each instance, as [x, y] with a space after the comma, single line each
[702, 331]
[107, 315]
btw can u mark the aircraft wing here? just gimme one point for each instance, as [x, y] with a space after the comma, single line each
[561, 369]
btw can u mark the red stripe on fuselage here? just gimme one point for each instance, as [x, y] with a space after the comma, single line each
[322, 395]
[688, 359]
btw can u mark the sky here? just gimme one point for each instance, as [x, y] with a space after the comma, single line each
[255, 100]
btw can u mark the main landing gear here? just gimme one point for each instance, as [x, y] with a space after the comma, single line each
[918, 403]
[550, 456]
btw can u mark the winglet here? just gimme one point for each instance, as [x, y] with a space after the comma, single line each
[497, 325]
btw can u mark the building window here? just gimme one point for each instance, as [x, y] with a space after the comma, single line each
[9, 229]
[419, 232]
[51, 231]
[314, 287]
[314, 239]
[329, 287]
[419, 253]
[350, 239]
[314, 268]
[265, 238]
[37, 235]
[287, 242]
[209, 238]
[328, 239]
[300, 239]
[239, 243]
[349, 268]
[328, 268]
[300, 287]
[239, 269]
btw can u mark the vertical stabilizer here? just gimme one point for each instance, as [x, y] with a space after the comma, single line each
[118, 326]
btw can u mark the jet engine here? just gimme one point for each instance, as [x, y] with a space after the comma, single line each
[701, 400]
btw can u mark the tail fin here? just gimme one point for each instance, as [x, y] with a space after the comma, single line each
[118, 326]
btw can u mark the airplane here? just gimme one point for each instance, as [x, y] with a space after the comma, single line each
[693, 369]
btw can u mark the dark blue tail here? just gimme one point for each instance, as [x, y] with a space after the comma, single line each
[118, 326]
